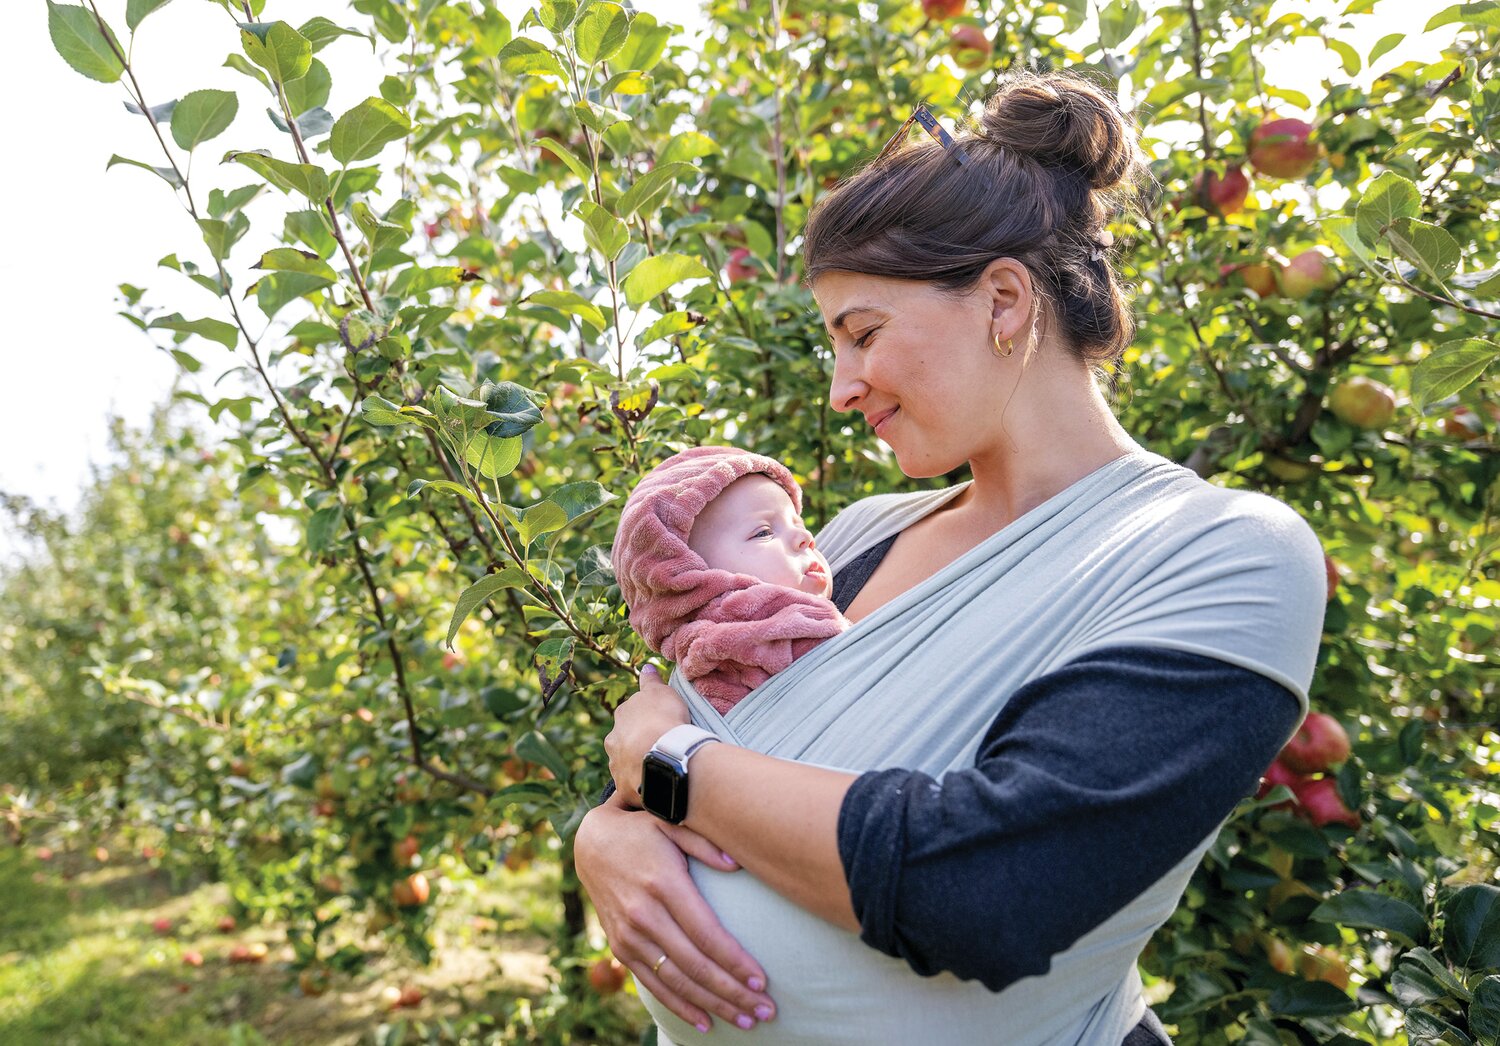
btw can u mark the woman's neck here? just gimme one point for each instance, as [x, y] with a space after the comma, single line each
[1056, 429]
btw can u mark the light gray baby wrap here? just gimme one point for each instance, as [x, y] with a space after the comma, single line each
[1140, 552]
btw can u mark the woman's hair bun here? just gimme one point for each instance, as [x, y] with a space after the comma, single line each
[1063, 120]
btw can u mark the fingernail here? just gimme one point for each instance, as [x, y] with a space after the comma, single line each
[763, 1012]
[744, 1022]
[703, 1027]
[729, 860]
[756, 984]
[651, 669]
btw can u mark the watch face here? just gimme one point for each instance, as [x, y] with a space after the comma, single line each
[663, 788]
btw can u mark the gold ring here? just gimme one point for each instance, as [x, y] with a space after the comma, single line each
[657, 964]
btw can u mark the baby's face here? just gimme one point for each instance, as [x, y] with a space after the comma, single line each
[751, 528]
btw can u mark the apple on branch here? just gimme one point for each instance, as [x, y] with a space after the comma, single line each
[1221, 194]
[1363, 402]
[970, 48]
[1283, 148]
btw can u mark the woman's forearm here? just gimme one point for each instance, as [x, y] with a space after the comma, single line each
[779, 820]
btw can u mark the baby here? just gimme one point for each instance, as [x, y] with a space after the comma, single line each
[718, 572]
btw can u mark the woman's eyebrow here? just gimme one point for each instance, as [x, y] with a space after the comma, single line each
[838, 321]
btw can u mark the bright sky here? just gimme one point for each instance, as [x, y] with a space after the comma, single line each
[76, 233]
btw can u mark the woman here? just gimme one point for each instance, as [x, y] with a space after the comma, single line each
[961, 820]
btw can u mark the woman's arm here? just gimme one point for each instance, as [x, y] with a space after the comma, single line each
[783, 816]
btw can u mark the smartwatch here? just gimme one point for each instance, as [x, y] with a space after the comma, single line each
[664, 776]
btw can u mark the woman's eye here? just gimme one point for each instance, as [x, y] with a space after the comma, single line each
[864, 339]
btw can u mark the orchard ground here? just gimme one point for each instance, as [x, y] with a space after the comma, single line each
[84, 964]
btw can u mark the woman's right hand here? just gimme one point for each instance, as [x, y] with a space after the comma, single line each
[636, 874]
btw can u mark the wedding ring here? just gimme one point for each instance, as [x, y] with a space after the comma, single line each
[657, 964]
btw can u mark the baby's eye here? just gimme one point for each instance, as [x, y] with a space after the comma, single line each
[762, 532]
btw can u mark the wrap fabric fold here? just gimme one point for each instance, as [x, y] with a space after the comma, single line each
[1139, 552]
[727, 632]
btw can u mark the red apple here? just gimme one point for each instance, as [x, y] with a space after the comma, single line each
[1221, 194]
[1312, 270]
[1319, 743]
[607, 976]
[44, 853]
[412, 891]
[942, 10]
[162, 926]
[404, 851]
[1363, 402]
[1279, 955]
[192, 957]
[227, 924]
[1321, 804]
[741, 266]
[1462, 423]
[1283, 148]
[325, 808]
[435, 229]
[1331, 569]
[452, 662]
[364, 715]
[1278, 774]
[411, 995]
[101, 855]
[1260, 277]
[970, 48]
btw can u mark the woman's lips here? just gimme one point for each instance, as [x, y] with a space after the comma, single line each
[879, 421]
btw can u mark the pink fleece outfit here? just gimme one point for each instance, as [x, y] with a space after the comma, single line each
[728, 633]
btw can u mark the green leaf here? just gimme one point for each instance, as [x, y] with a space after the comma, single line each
[1471, 931]
[689, 145]
[655, 275]
[542, 518]
[1345, 233]
[320, 32]
[1484, 284]
[366, 129]
[81, 40]
[379, 411]
[304, 178]
[310, 91]
[581, 499]
[1310, 999]
[418, 486]
[675, 322]
[513, 406]
[1117, 21]
[202, 115]
[1384, 45]
[1484, 1014]
[1389, 197]
[477, 594]
[535, 748]
[1450, 367]
[160, 113]
[136, 10]
[312, 124]
[563, 153]
[240, 64]
[1348, 55]
[1368, 910]
[494, 456]
[524, 56]
[644, 46]
[1486, 13]
[290, 259]
[1424, 1028]
[603, 231]
[556, 15]
[322, 527]
[1429, 247]
[279, 289]
[600, 31]
[226, 334]
[277, 48]
[165, 173]
[650, 187]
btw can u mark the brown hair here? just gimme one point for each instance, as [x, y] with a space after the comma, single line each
[1052, 160]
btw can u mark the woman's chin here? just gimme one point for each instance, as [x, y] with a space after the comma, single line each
[926, 466]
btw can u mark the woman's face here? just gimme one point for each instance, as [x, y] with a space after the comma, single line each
[752, 528]
[917, 363]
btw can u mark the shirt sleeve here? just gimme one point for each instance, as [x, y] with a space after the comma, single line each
[1094, 781]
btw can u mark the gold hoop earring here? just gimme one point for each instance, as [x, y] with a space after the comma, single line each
[1010, 347]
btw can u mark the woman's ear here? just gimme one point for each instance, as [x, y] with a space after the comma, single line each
[1006, 286]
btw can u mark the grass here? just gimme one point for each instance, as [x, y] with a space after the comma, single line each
[81, 964]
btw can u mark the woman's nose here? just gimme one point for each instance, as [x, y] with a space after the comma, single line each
[847, 387]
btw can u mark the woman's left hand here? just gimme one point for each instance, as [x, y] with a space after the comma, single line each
[639, 723]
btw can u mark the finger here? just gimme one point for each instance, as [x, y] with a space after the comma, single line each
[694, 845]
[697, 1016]
[703, 928]
[701, 981]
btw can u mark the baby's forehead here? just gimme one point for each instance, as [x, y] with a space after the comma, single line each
[755, 492]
